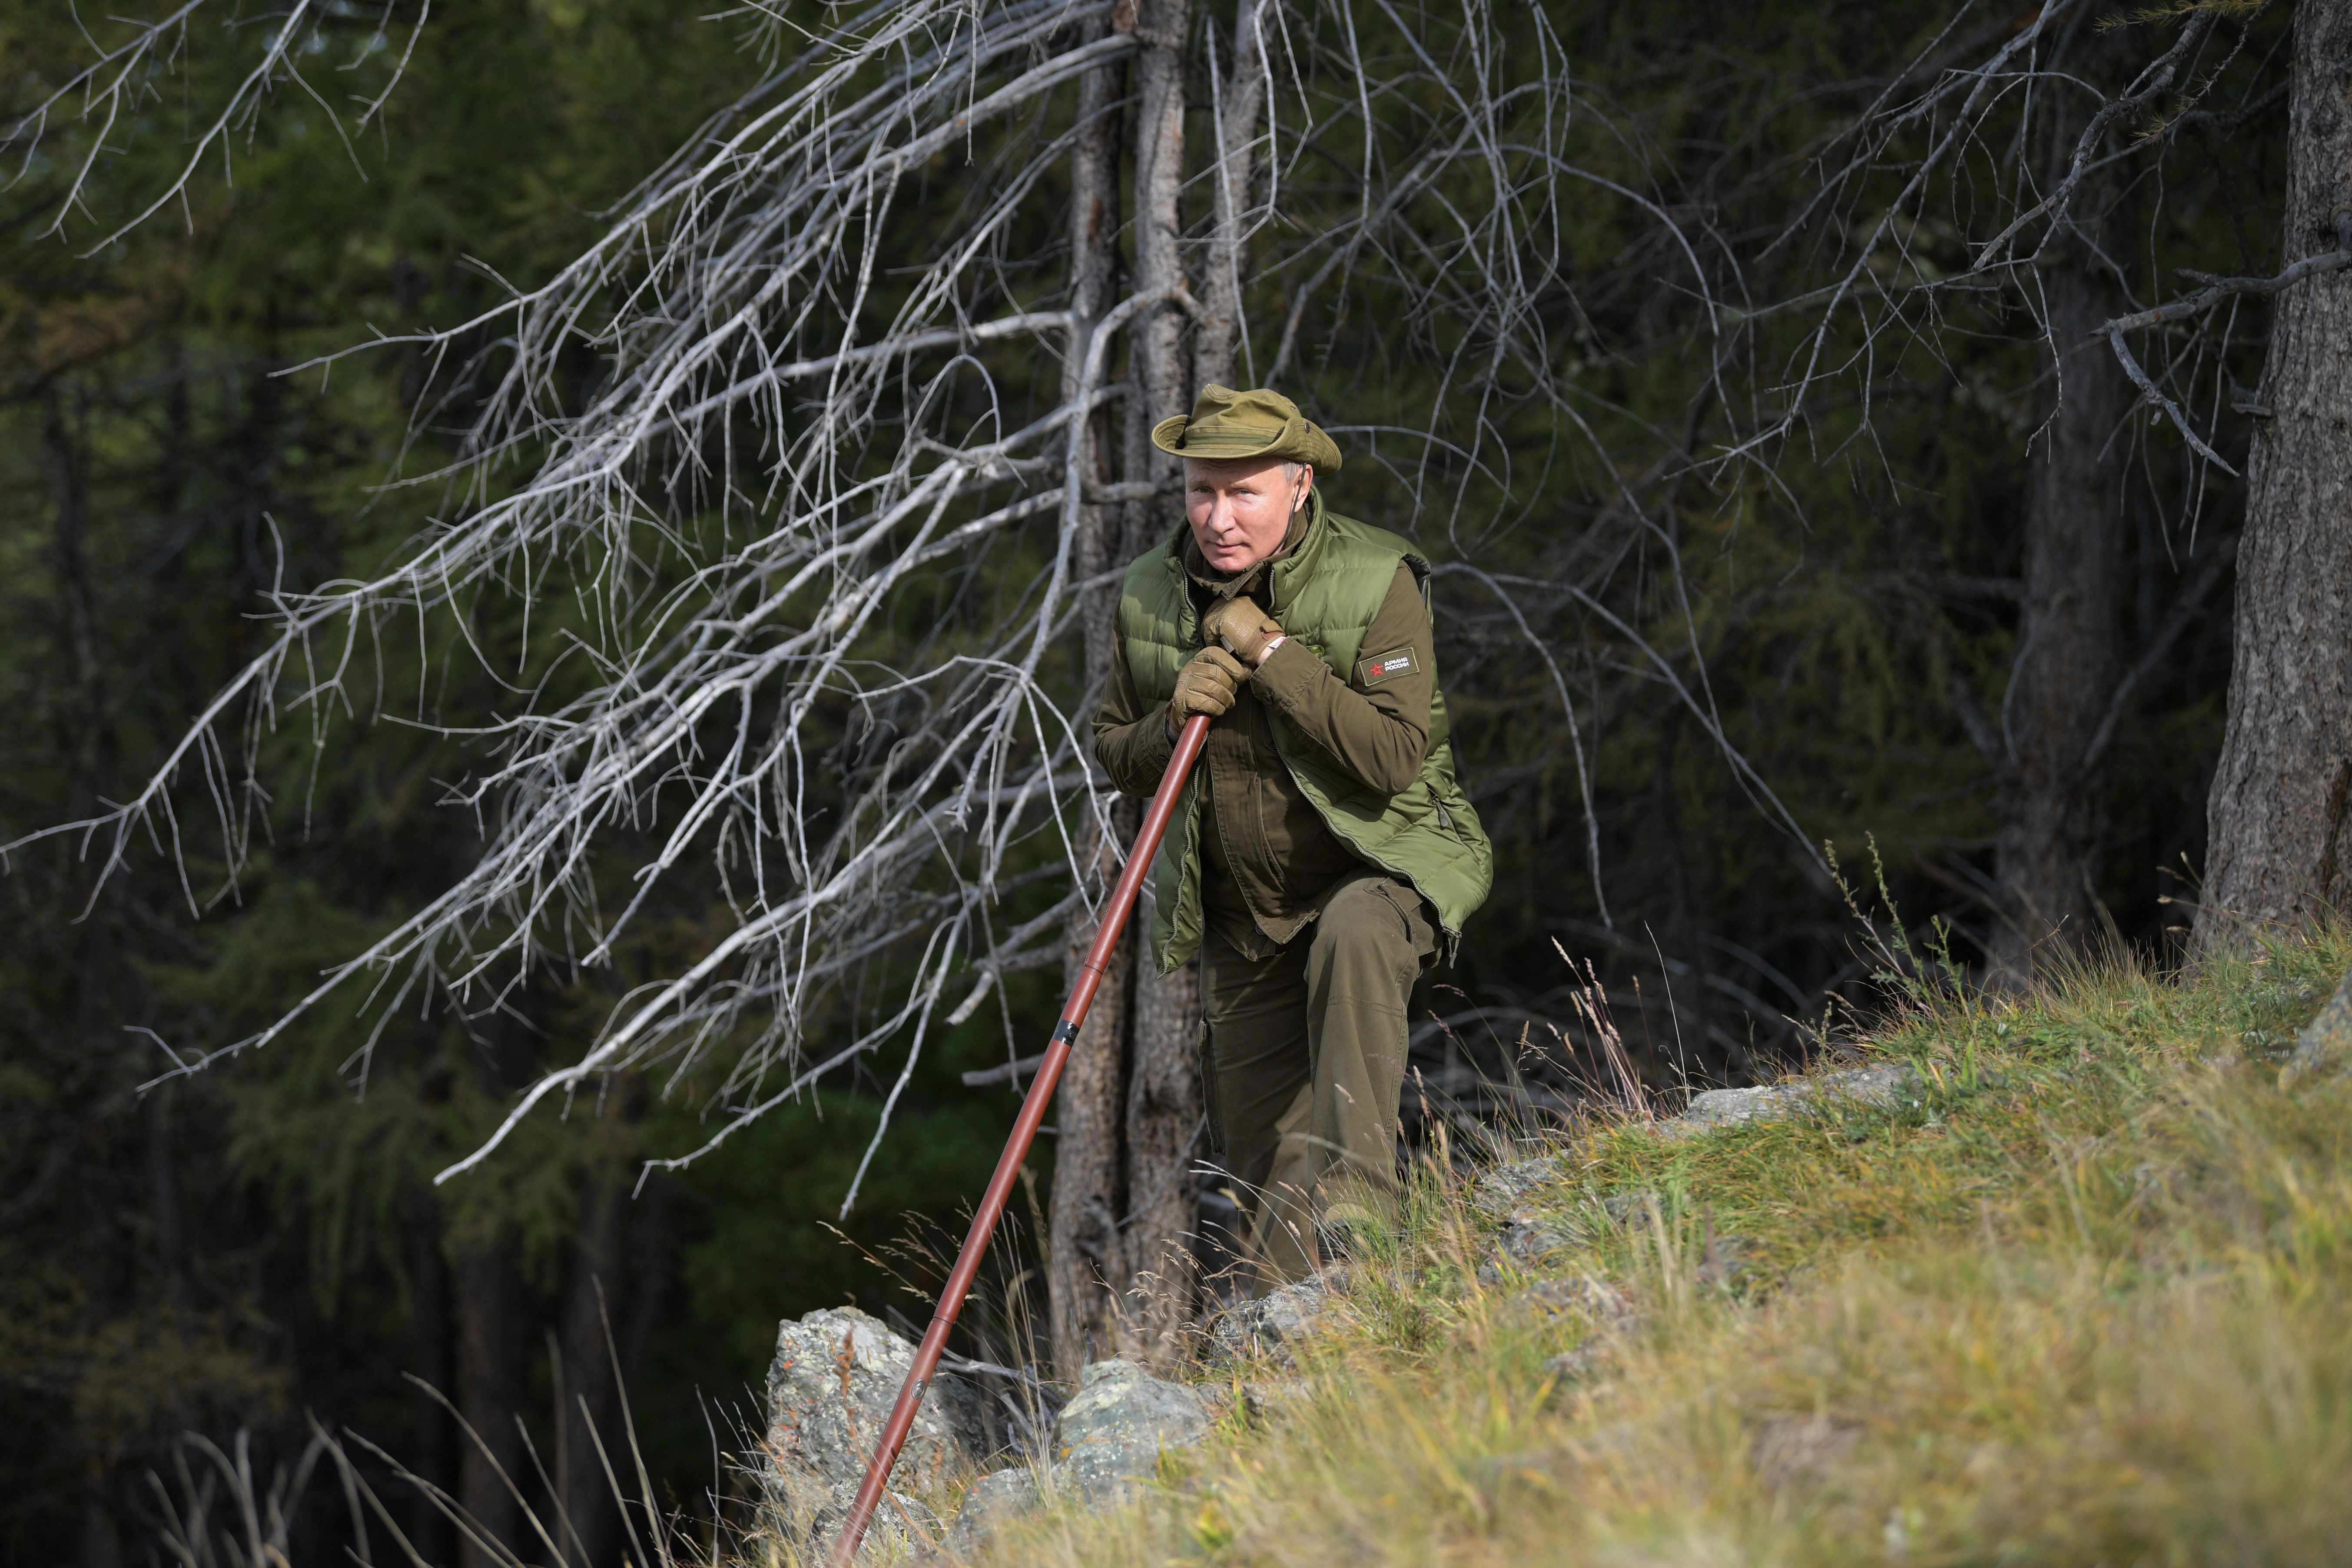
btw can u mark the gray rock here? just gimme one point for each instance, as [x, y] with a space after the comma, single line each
[830, 1390]
[1529, 1235]
[1871, 1086]
[1506, 1188]
[1112, 1432]
[1608, 1310]
[1529, 1238]
[901, 1527]
[1729, 1108]
[1107, 1446]
[1634, 1209]
[992, 1502]
[1276, 1320]
[2326, 1042]
[1595, 1300]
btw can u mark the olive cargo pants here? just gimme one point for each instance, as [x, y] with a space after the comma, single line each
[1303, 1062]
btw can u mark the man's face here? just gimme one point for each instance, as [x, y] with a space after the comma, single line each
[1240, 511]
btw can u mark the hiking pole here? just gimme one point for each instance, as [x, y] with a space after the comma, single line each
[1025, 1133]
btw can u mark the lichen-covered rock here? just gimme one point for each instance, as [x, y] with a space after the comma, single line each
[901, 1527]
[989, 1504]
[1595, 1300]
[1524, 1239]
[1276, 1320]
[1872, 1086]
[1506, 1188]
[1112, 1432]
[830, 1390]
[1634, 1210]
[2326, 1042]
[1531, 1236]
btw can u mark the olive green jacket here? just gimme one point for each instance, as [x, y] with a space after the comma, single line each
[1326, 593]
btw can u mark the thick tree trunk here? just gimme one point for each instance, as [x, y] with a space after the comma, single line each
[593, 1299]
[2279, 851]
[101, 1541]
[1239, 96]
[1088, 1151]
[2069, 654]
[651, 1267]
[171, 1227]
[1702, 1049]
[1163, 1106]
[1083, 1254]
[1157, 160]
[1163, 1126]
[429, 1295]
[490, 1363]
[90, 743]
[1121, 1262]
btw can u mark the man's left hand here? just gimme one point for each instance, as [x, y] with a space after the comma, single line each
[1241, 626]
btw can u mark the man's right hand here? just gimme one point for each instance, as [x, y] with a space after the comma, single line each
[1206, 684]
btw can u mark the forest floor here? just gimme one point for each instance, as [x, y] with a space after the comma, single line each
[2081, 1294]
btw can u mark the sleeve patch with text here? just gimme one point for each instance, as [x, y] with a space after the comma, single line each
[1373, 671]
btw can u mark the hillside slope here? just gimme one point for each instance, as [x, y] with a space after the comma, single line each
[2077, 1295]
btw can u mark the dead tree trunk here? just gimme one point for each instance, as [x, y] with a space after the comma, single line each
[1157, 160]
[1164, 1103]
[2069, 640]
[490, 1366]
[428, 1284]
[1125, 1210]
[591, 1394]
[1087, 1196]
[1239, 94]
[2278, 848]
[1163, 1126]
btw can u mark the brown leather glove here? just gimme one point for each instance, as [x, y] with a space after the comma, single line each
[1241, 626]
[1205, 685]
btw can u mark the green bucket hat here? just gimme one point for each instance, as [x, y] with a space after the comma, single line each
[1225, 425]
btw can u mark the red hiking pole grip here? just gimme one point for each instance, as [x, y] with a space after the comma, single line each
[1188, 742]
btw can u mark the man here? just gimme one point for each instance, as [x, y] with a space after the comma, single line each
[1323, 851]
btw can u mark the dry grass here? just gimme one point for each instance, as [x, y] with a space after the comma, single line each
[2083, 1301]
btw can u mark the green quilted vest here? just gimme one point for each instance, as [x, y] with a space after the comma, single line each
[1325, 595]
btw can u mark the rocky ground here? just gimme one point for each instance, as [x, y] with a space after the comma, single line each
[838, 1371]
[835, 1376]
